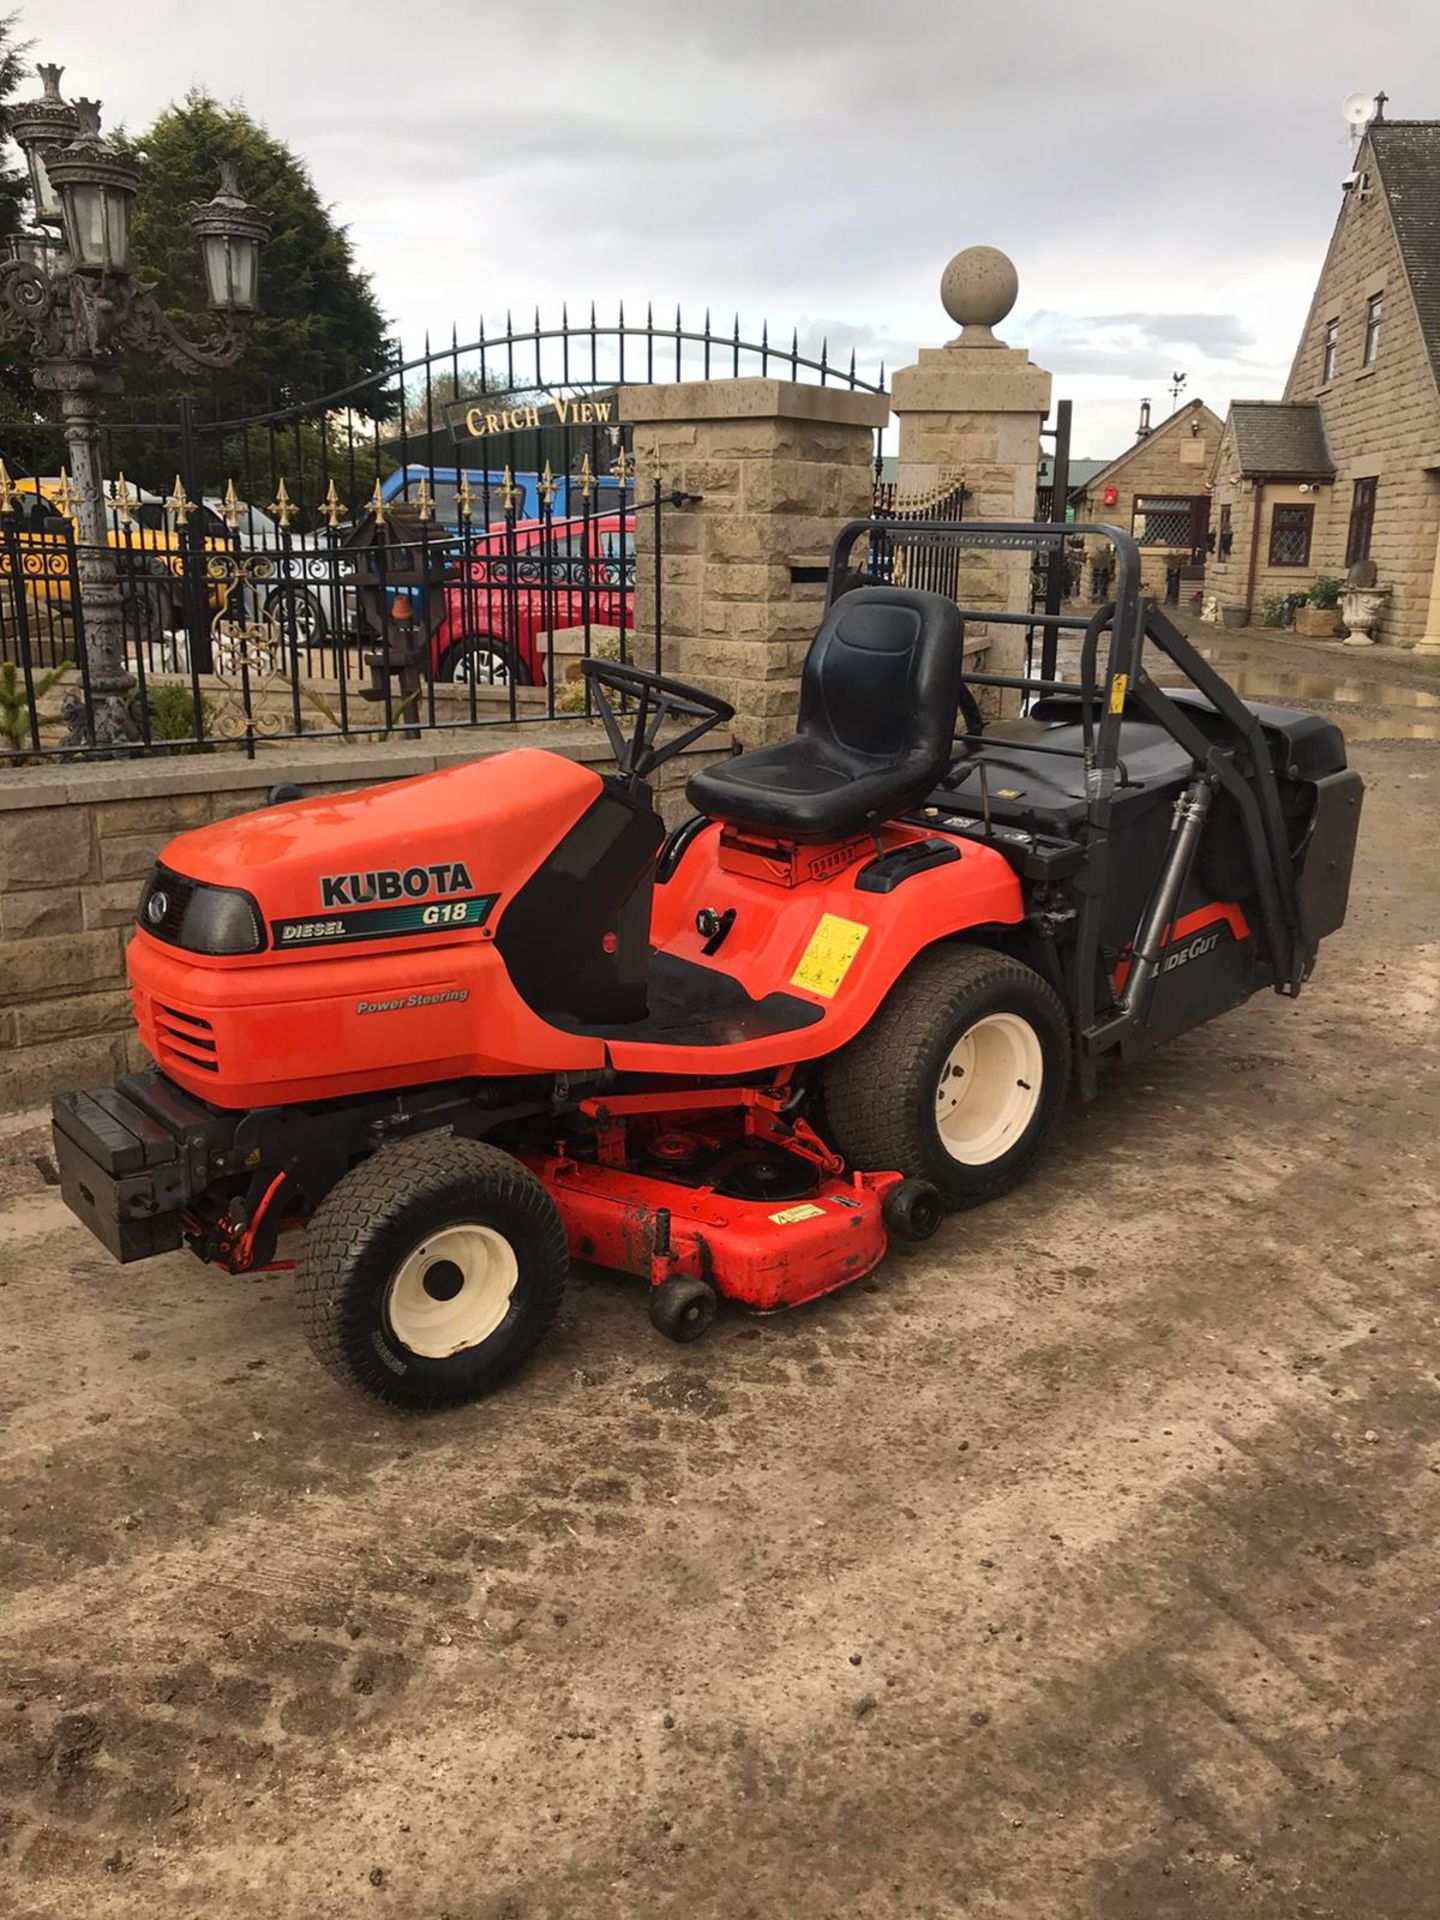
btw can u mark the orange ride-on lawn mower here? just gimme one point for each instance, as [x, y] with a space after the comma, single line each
[463, 1028]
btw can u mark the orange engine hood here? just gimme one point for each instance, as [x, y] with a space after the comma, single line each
[475, 831]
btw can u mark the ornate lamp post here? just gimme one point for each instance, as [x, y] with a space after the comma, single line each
[81, 309]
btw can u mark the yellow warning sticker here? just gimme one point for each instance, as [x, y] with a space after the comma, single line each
[1117, 692]
[826, 961]
[789, 1215]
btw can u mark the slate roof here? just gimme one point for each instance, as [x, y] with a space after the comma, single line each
[1281, 437]
[1407, 159]
[1081, 471]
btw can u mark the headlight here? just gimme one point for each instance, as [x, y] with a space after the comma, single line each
[185, 913]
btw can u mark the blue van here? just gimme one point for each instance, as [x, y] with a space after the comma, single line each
[609, 494]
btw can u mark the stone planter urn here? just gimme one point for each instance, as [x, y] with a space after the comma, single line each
[1360, 609]
[1317, 623]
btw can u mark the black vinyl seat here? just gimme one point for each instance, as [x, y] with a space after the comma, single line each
[877, 723]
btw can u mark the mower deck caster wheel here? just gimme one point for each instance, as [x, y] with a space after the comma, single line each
[682, 1308]
[913, 1210]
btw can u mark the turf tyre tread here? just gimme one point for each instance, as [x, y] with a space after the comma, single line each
[871, 1086]
[356, 1214]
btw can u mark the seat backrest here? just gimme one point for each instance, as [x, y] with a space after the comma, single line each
[882, 678]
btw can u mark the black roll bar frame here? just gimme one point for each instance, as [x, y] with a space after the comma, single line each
[1246, 774]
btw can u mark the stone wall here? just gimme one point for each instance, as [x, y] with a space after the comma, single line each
[76, 843]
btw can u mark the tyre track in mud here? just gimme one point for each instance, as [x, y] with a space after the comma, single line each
[446, 1650]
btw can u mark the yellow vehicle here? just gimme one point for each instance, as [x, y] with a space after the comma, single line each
[140, 527]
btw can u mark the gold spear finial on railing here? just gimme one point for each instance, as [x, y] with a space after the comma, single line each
[124, 499]
[9, 492]
[178, 504]
[623, 468]
[378, 504]
[283, 507]
[231, 511]
[424, 502]
[332, 507]
[587, 478]
[464, 500]
[66, 497]
[546, 488]
[509, 492]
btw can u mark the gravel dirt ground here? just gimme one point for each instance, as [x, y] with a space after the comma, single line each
[1081, 1563]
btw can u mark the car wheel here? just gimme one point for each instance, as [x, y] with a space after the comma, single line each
[483, 661]
[295, 610]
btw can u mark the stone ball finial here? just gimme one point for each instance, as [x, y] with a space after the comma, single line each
[978, 289]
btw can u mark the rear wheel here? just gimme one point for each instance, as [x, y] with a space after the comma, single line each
[957, 1079]
[430, 1271]
[485, 661]
[150, 616]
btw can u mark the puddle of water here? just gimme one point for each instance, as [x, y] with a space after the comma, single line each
[1394, 720]
[1399, 709]
[1378, 726]
[1262, 684]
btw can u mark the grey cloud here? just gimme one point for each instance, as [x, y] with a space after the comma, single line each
[1161, 195]
[1103, 335]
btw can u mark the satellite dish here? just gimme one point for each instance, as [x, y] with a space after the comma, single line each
[1359, 108]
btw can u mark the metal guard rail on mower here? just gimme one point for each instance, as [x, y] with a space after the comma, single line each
[1249, 778]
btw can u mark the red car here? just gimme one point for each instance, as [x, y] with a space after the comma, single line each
[518, 587]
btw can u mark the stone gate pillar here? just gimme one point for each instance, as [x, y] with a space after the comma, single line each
[974, 409]
[778, 466]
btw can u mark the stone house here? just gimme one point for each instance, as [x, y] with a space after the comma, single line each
[1346, 468]
[1273, 475]
[1159, 491]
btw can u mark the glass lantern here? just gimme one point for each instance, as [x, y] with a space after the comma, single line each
[40, 127]
[40, 250]
[230, 233]
[96, 188]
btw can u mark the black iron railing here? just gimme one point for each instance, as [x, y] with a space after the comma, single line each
[237, 634]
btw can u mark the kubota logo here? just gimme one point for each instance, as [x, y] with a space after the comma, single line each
[394, 883]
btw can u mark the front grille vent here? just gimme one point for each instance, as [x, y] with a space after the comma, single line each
[187, 1038]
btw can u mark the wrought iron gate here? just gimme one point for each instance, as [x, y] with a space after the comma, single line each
[436, 546]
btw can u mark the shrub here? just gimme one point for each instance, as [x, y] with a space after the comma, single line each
[171, 706]
[15, 704]
[1269, 609]
[1325, 590]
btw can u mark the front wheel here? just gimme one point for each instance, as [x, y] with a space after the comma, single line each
[430, 1271]
[957, 1079]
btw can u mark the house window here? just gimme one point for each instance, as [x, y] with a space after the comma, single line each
[1290, 527]
[1373, 309]
[1162, 523]
[1227, 532]
[1327, 356]
[1362, 521]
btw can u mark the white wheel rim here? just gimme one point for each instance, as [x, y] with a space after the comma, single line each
[452, 1291]
[486, 669]
[989, 1088]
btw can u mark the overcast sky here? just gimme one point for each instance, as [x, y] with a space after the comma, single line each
[1165, 178]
